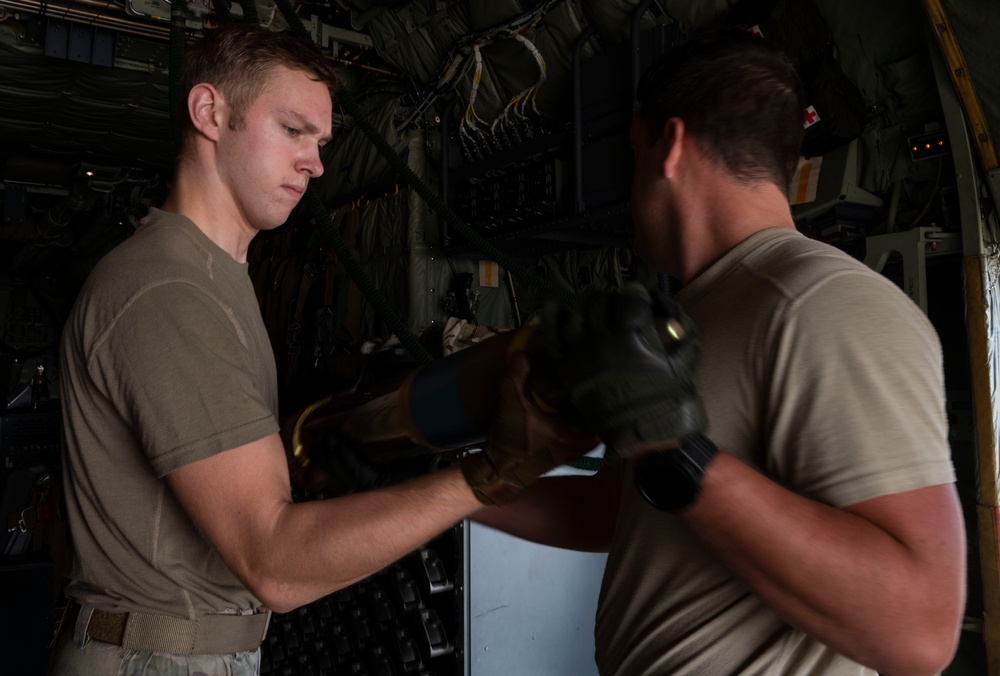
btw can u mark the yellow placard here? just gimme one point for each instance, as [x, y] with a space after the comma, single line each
[489, 274]
[805, 180]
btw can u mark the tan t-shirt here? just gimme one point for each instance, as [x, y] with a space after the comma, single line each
[165, 361]
[824, 376]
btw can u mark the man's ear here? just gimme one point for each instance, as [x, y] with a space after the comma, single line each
[206, 106]
[673, 137]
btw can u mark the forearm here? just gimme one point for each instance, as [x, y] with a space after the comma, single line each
[833, 573]
[315, 548]
[571, 512]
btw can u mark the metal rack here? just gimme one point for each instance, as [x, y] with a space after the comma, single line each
[569, 188]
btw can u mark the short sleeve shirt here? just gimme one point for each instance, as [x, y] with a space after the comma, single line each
[825, 377]
[165, 361]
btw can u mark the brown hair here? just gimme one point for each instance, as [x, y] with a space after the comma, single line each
[738, 96]
[237, 59]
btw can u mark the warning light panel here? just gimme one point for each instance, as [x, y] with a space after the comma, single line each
[931, 144]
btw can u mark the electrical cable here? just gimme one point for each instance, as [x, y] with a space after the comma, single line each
[405, 336]
[467, 232]
[532, 94]
[506, 124]
[470, 145]
[433, 200]
[444, 79]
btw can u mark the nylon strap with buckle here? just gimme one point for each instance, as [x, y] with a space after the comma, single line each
[206, 634]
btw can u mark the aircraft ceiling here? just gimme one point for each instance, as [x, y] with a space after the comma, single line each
[84, 84]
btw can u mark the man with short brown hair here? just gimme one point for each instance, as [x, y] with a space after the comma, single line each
[812, 527]
[177, 484]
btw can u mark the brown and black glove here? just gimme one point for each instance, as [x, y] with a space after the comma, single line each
[524, 442]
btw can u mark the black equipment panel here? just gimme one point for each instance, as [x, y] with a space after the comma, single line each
[405, 619]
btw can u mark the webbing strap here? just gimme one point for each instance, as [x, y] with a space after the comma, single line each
[206, 634]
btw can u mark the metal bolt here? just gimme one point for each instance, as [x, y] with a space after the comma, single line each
[959, 72]
[982, 137]
[675, 329]
[941, 28]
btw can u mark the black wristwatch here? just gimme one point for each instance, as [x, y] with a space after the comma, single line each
[671, 480]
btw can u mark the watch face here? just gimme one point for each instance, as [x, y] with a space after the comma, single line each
[666, 481]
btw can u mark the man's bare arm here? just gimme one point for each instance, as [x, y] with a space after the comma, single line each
[881, 581]
[289, 554]
[572, 512]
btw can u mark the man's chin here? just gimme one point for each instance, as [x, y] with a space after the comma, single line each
[271, 224]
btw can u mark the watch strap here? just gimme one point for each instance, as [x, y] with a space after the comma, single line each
[699, 450]
[671, 480]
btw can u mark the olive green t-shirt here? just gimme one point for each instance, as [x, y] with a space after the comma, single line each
[817, 372]
[165, 361]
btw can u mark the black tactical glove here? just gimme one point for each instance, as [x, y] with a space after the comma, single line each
[524, 442]
[628, 361]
